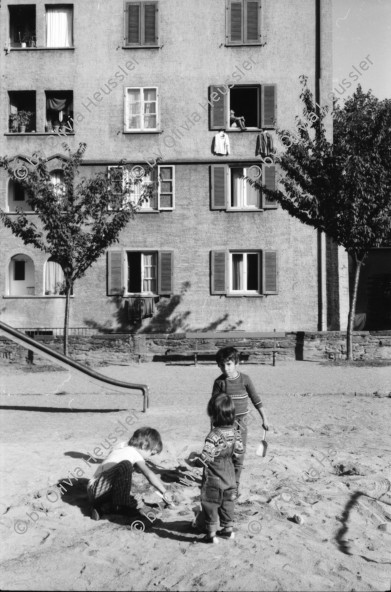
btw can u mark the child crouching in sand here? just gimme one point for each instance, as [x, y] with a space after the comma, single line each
[109, 491]
[218, 489]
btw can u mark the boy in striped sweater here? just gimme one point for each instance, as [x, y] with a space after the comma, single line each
[240, 388]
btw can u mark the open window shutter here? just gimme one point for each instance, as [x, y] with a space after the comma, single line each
[219, 186]
[133, 34]
[269, 180]
[115, 273]
[269, 272]
[269, 94]
[235, 21]
[218, 272]
[252, 18]
[165, 273]
[150, 23]
[218, 109]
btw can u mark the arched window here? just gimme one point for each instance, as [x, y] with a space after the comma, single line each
[17, 197]
[21, 276]
[57, 177]
[54, 278]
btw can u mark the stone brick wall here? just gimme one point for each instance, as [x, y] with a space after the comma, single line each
[124, 349]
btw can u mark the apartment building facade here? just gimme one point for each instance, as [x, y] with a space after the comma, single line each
[159, 83]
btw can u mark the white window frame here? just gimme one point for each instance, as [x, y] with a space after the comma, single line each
[145, 206]
[244, 292]
[143, 253]
[142, 128]
[172, 180]
[242, 207]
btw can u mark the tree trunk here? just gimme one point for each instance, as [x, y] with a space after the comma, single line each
[66, 317]
[352, 311]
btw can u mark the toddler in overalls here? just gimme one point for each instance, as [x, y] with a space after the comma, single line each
[218, 489]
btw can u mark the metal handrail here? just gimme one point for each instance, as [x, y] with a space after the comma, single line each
[43, 350]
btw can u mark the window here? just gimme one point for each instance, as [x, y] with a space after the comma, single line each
[59, 111]
[155, 191]
[140, 272]
[255, 103]
[141, 24]
[17, 197]
[141, 109]
[59, 25]
[22, 25]
[21, 277]
[57, 178]
[231, 191]
[22, 111]
[244, 273]
[243, 22]
[54, 278]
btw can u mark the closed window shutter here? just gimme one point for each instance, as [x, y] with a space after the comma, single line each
[219, 187]
[235, 22]
[269, 180]
[150, 23]
[218, 110]
[115, 282]
[269, 272]
[269, 93]
[218, 272]
[165, 273]
[134, 22]
[252, 18]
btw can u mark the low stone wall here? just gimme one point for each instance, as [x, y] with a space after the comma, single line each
[107, 349]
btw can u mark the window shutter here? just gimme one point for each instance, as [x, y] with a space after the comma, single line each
[133, 23]
[235, 23]
[269, 272]
[219, 186]
[166, 191]
[269, 180]
[115, 279]
[252, 19]
[218, 272]
[218, 109]
[150, 23]
[269, 93]
[165, 273]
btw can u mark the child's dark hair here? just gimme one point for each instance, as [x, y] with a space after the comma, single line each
[221, 410]
[225, 354]
[147, 439]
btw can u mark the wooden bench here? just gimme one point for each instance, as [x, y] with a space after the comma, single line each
[195, 354]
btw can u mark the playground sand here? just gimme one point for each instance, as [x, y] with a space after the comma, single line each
[328, 462]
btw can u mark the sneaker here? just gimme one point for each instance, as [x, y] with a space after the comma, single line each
[227, 533]
[210, 539]
[95, 514]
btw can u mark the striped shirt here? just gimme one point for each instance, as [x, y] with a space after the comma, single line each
[240, 389]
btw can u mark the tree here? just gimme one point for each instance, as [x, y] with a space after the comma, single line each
[78, 218]
[342, 188]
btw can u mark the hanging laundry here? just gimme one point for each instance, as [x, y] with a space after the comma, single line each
[265, 144]
[221, 143]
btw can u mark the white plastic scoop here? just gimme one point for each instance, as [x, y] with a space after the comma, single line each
[262, 448]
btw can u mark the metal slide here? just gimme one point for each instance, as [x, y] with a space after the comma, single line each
[69, 364]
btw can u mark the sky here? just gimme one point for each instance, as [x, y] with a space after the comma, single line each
[362, 28]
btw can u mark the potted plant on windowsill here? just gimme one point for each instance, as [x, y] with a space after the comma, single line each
[24, 120]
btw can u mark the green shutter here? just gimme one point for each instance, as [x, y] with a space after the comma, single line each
[235, 23]
[269, 272]
[133, 34]
[252, 19]
[218, 108]
[114, 273]
[269, 180]
[150, 23]
[165, 273]
[269, 94]
[218, 272]
[219, 174]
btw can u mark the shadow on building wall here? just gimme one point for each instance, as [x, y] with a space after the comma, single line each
[131, 315]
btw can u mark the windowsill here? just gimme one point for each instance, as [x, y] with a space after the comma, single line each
[41, 48]
[42, 296]
[147, 211]
[245, 210]
[15, 213]
[62, 134]
[140, 295]
[141, 47]
[155, 131]
[255, 44]
[236, 130]
[232, 295]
